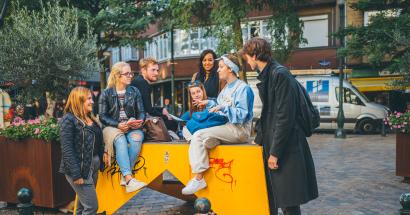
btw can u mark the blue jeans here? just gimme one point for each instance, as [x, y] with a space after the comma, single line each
[127, 155]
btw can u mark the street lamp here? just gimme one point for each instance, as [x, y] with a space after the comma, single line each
[340, 132]
[172, 72]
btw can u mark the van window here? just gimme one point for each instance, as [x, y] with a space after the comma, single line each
[361, 94]
[349, 97]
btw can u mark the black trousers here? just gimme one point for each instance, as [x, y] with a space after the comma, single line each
[273, 209]
[294, 210]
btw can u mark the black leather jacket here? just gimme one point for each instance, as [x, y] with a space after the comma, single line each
[77, 147]
[109, 106]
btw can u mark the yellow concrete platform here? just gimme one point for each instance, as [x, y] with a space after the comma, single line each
[236, 180]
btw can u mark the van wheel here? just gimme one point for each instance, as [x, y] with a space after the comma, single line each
[366, 126]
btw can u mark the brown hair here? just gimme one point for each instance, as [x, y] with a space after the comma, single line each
[258, 47]
[115, 73]
[191, 107]
[234, 58]
[75, 103]
[143, 63]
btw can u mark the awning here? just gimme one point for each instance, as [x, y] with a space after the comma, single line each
[375, 84]
[307, 72]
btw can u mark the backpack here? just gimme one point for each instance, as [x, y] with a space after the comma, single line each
[309, 118]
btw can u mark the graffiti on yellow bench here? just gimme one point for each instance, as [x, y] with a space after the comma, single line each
[236, 179]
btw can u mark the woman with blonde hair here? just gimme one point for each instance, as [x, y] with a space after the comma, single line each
[196, 94]
[122, 114]
[82, 148]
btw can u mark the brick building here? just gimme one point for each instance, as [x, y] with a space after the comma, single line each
[321, 18]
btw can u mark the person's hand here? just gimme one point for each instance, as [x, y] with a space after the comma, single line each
[137, 124]
[165, 111]
[105, 159]
[123, 127]
[79, 181]
[214, 109]
[199, 103]
[253, 142]
[273, 162]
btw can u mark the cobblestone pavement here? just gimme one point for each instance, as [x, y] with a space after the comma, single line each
[356, 176]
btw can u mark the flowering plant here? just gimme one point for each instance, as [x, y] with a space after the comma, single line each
[46, 129]
[399, 121]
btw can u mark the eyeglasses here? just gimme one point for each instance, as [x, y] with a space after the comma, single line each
[128, 74]
[193, 84]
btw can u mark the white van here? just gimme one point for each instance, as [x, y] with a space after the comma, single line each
[360, 114]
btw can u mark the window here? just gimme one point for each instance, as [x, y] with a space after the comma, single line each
[186, 43]
[159, 47]
[125, 53]
[194, 38]
[316, 31]
[349, 97]
[115, 55]
[181, 42]
[129, 53]
[388, 13]
[257, 28]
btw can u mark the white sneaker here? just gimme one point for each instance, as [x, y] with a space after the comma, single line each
[134, 185]
[122, 181]
[194, 186]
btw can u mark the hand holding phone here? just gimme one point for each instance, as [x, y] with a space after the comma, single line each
[135, 123]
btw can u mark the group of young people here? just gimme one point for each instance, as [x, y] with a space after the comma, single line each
[89, 143]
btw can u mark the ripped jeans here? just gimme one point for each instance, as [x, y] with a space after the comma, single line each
[126, 155]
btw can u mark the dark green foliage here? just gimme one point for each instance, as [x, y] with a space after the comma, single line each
[386, 39]
[41, 51]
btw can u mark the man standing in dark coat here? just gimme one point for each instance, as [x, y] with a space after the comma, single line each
[289, 168]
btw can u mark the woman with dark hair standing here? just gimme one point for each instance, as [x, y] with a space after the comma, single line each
[208, 74]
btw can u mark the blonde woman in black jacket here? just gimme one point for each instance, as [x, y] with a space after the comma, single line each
[121, 107]
[82, 148]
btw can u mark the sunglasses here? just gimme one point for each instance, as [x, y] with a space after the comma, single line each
[193, 84]
[128, 74]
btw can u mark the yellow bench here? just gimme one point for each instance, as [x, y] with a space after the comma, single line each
[236, 178]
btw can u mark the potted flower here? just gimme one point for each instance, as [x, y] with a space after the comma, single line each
[30, 156]
[400, 122]
[44, 129]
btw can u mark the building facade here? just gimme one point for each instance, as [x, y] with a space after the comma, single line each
[321, 19]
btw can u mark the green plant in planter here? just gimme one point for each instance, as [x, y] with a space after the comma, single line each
[45, 129]
[399, 122]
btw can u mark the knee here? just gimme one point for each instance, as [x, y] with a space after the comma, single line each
[120, 142]
[197, 136]
[136, 137]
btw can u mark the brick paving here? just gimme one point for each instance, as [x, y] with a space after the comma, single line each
[356, 176]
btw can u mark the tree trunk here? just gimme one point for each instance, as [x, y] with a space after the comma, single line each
[51, 103]
[239, 44]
